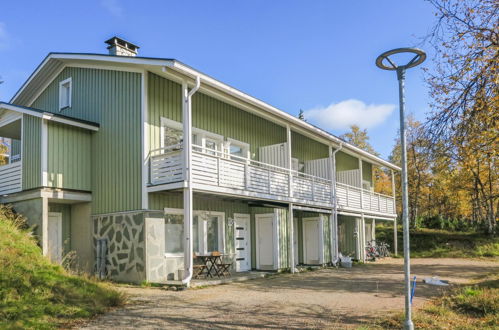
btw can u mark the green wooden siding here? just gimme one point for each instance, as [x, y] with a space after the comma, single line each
[210, 114]
[31, 158]
[164, 99]
[345, 162]
[305, 148]
[284, 241]
[65, 210]
[69, 157]
[112, 99]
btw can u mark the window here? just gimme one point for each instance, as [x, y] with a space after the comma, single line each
[238, 149]
[202, 141]
[207, 232]
[174, 232]
[65, 94]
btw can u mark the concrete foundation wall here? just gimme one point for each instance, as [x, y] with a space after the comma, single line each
[32, 210]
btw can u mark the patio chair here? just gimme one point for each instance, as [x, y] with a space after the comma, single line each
[198, 269]
[225, 267]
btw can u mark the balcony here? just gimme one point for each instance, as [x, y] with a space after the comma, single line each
[10, 178]
[349, 197]
[224, 173]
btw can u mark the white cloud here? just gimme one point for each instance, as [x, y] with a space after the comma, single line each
[349, 112]
[4, 36]
[113, 6]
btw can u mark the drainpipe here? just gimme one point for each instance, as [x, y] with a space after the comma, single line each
[334, 225]
[187, 146]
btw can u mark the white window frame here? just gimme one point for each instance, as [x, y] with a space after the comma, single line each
[175, 212]
[199, 133]
[202, 230]
[62, 94]
[243, 145]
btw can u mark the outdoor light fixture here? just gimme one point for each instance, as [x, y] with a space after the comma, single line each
[384, 62]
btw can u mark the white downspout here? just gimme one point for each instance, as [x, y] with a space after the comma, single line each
[187, 146]
[334, 225]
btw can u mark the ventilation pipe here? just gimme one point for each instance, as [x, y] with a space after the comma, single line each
[187, 144]
[334, 226]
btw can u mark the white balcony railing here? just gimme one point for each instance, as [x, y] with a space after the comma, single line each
[350, 197]
[212, 168]
[10, 178]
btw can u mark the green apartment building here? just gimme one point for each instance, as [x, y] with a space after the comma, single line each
[138, 163]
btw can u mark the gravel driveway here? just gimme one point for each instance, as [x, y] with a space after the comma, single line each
[327, 298]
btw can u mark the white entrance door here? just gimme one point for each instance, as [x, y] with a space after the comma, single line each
[55, 237]
[242, 242]
[311, 241]
[295, 240]
[265, 241]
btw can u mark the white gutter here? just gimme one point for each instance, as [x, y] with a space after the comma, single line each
[187, 125]
[334, 226]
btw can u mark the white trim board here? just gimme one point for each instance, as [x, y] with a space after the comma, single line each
[48, 116]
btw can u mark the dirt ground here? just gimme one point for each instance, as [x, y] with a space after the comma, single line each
[327, 298]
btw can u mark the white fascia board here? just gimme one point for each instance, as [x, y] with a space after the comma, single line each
[48, 116]
[298, 122]
[33, 75]
[113, 59]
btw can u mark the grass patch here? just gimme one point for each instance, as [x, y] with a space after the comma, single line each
[473, 306]
[437, 243]
[36, 294]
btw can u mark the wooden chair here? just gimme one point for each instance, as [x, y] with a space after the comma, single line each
[198, 270]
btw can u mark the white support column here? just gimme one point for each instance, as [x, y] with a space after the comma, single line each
[395, 236]
[289, 160]
[363, 237]
[333, 218]
[44, 155]
[393, 192]
[145, 143]
[45, 226]
[291, 250]
[361, 190]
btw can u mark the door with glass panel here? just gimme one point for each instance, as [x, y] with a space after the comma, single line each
[242, 242]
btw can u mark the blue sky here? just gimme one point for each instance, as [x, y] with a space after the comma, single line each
[312, 55]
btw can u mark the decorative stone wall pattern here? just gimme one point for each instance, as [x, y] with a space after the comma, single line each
[126, 248]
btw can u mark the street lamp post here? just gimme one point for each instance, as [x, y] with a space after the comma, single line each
[384, 62]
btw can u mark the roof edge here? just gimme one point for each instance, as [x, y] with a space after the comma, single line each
[51, 116]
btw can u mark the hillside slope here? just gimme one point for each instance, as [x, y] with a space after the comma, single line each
[34, 293]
